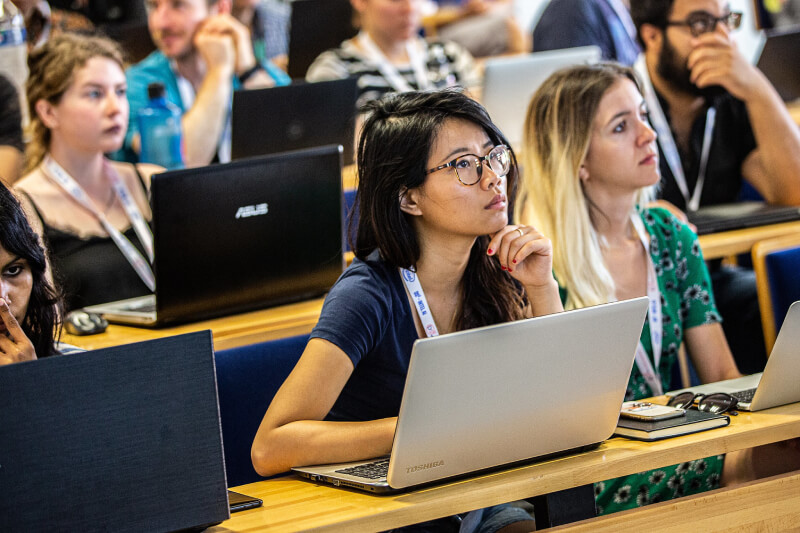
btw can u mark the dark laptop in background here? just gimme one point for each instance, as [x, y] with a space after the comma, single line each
[302, 115]
[316, 26]
[120, 439]
[240, 236]
[779, 62]
[727, 217]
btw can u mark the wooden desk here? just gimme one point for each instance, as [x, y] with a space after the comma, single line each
[727, 243]
[292, 504]
[229, 332]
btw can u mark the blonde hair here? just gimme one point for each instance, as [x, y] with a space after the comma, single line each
[52, 68]
[558, 131]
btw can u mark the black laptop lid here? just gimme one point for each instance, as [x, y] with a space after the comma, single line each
[119, 439]
[778, 61]
[727, 217]
[303, 115]
[247, 234]
[316, 26]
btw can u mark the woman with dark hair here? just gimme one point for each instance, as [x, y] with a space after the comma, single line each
[436, 184]
[29, 306]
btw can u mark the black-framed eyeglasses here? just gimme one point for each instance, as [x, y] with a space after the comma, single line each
[700, 22]
[717, 402]
[469, 167]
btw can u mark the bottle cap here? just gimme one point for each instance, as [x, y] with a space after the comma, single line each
[156, 90]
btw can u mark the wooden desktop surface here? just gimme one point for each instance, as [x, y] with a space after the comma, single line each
[229, 331]
[291, 503]
[727, 243]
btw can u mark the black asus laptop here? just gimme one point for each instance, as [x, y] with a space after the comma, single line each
[316, 26]
[120, 439]
[302, 115]
[778, 61]
[727, 217]
[240, 236]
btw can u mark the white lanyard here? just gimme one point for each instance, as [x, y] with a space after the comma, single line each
[61, 177]
[420, 303]
[667, 142]
[389, 71]
[648, 370]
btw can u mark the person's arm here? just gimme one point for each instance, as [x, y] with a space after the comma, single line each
[710, 353]
[773, 168]
[293, 432]
[204, 123]
[527, 256]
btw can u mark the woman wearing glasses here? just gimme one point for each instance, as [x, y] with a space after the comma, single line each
[593, 162]
[436, 185]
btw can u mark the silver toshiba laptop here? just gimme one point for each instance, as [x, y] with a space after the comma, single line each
[498, 395]
[778, 384]
[510, 82]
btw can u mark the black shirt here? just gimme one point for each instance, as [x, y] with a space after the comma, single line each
[732, 142]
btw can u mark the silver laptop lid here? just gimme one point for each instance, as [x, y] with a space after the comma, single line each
[777, 385]
[510, 392]
[510, 82]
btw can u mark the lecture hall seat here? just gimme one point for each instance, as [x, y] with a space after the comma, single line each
[247, 379]
[777, 266]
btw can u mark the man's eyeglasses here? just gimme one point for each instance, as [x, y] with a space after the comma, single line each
[700, 22]
[718, 402]
[469, 167]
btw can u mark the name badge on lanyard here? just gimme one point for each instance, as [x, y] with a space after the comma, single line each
[420, 303]
[648, 369]
[667, 142]
[61, 177]
[389, 71]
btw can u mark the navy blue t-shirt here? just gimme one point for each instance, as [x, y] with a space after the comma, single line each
[367, 315]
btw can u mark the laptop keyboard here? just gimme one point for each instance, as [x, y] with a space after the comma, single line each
[375, 470]
[744, 396]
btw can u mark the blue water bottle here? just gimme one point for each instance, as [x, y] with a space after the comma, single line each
[160, 130]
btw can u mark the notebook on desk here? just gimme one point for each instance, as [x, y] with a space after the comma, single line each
[509, 83]
[739, 215]
[119, 439]
[498, 395]
[778, 384]
[778, 61]
[301, 115]
[241, 236]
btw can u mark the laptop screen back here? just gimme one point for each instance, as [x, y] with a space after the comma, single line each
[778, 61]
[247, 234]
[509, 83]
[304, 115]
[119, 439]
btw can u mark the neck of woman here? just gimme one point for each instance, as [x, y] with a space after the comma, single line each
[395, 51]
[442, 263]
[86, 168]
[611, 218]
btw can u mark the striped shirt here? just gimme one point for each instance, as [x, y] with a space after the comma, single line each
[447, 64]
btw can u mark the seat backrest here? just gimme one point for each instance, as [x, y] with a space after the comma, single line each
[777, 266]
[247, 380]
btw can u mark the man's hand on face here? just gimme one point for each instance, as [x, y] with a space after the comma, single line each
[715, 60]
[216, 45]
[239, 52]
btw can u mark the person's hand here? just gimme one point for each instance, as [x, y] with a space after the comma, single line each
[226, 24]
[525, 254]
[14, 344]
[216, 45]
[715, 60]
